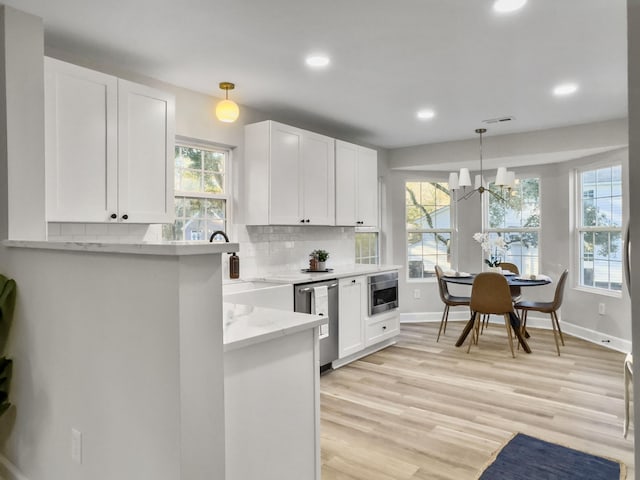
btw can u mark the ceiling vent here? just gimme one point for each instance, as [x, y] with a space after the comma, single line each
[499, 119]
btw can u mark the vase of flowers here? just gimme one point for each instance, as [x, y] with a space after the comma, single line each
[493, 248]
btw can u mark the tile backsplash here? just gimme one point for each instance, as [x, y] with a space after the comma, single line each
[106, 232]
[272, 249]
[263, 249]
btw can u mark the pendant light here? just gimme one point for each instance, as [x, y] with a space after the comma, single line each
[227, 110]
[504, 178]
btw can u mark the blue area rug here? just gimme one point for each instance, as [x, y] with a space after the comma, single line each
[529, 458]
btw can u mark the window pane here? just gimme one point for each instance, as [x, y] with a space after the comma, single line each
[213, 183]
[214, 161]
[601, 250]
[190, 181]
[366, 247]
[425, 250]
[517, 215]
[428, 220]
[199, 171]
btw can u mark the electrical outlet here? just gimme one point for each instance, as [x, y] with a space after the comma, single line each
[602, 308]
[76, 445]
[416, 293]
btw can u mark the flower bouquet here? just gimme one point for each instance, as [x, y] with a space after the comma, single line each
[495, 247]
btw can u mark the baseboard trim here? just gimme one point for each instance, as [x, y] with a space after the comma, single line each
[8, 471]
[587, 334]
[363, 353]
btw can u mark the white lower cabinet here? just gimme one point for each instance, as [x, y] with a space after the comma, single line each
[358, 333]
[381, 327]
[352, 306]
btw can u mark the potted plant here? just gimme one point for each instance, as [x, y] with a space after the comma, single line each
[321, 257]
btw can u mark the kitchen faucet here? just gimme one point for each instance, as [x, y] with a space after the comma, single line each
[219, 232]
[234, 261]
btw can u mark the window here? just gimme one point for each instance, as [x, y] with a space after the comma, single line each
[517, 220]
[429, 232]
[600, 228]
[367, 247]
[201, 192]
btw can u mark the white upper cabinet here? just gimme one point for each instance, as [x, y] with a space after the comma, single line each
[108, 148]
[356, 185]
[289, 176]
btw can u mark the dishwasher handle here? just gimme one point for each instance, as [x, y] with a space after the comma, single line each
[308, 289]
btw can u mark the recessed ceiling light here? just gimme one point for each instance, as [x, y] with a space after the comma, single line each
[317, 61]
[506, 6]
[565, 89]
[426, 114]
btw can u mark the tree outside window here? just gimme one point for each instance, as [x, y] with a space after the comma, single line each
[429, 230]
[201, 192]
[517, 221]
[600, 228]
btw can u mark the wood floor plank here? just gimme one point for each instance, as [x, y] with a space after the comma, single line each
[425, 410]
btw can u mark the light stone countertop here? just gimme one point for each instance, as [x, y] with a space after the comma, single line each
[246, 325]
[338, 272]
[174, 248]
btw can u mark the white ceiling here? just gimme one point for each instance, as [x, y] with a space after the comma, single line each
[388, 59]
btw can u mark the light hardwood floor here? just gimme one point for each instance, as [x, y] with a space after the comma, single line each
[427, 410]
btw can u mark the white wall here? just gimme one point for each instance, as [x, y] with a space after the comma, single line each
[22, 144]
[633, 52]
[557, 245]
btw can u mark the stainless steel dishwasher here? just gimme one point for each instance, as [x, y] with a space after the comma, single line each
[302, 304]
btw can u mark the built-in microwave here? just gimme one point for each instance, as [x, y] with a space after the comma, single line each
[383, 292]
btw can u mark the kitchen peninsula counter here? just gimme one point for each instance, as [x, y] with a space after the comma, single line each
[138, 324]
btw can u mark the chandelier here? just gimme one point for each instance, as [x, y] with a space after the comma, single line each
[504, 179]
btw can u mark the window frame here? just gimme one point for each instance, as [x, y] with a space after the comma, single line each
[538, 230]
[452, 230]
[579, 229]
[227, 196]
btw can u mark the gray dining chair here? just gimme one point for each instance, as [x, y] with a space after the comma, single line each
[448, 300]
[552, 307]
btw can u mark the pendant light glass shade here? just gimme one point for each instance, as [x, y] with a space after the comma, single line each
[227, 110]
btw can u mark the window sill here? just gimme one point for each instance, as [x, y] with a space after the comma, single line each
[598, 291]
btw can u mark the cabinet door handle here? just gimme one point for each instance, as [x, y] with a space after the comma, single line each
[384, 327]
[113, 215]
[308, 220]
[302, 221]
[125, 217]
[353, 281]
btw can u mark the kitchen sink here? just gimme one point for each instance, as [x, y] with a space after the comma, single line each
[259, 294]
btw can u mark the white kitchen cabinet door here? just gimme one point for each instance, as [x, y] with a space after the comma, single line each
[356, 185]
[290, 176]
[367, 187]
[285, 172]
[81, 143]
[145, 154]
[352, 306]
[318, 179]
[108, 148]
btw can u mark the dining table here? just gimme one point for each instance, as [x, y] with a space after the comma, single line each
[514, 280]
